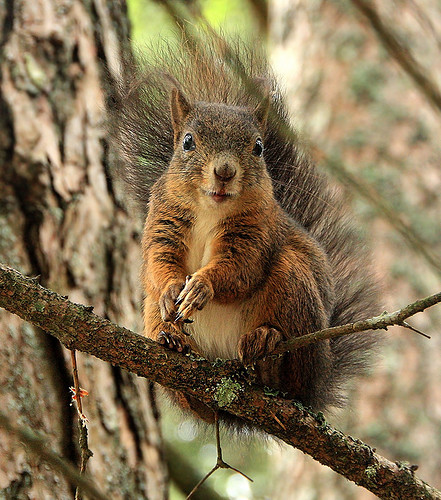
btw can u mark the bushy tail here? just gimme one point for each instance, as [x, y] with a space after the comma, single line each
[307, 196]
[140, 122]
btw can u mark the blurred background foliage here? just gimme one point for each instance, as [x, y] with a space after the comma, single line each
[151, 21]
[360, 113]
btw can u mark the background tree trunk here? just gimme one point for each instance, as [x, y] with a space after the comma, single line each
[354, 102]
[63, 217]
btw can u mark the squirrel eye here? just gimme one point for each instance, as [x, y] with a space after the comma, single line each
[258, 148]
[188, 144]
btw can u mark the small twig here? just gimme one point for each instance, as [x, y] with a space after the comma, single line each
[78, 394]
[381, 322]
[410, 327]
[220, 464]
[77, 391]
[39, 447]
[202, 481]
[184, 474]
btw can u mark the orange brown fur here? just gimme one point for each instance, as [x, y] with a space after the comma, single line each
[266, 263]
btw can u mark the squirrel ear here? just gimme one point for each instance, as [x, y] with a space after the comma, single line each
[180, 108]
[262, 110]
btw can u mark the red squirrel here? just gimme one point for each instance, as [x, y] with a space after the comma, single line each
[245, 244]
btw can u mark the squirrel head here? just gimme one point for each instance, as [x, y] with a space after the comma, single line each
[218, 149]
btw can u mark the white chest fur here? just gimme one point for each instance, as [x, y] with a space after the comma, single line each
[199, 248]
[217, 328]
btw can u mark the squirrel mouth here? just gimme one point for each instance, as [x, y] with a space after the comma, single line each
[219, 196]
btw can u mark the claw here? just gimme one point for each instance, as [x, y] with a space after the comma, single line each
[179, 316]
[164, 338]
[188, 320]
[179, 300]
[172, 342]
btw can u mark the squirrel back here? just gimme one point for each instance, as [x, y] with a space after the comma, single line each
[141, 123]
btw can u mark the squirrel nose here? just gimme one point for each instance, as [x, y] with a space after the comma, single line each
[225, 172]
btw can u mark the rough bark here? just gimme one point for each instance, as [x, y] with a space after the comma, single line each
[63, 217]
[219, 385]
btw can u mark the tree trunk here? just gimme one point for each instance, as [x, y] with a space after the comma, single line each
[63, 217]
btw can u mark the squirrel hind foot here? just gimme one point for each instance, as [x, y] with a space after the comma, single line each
[257, 344]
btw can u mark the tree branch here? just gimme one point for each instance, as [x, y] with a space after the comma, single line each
[219, 385]
[377, 323]
[400, 53]
[411, 236]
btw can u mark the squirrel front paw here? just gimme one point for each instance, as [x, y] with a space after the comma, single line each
[173, 342]
[167, 301]
[257, 344]
[194, 297]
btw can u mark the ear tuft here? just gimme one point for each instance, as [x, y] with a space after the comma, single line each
[261, 111]
[180, 108]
